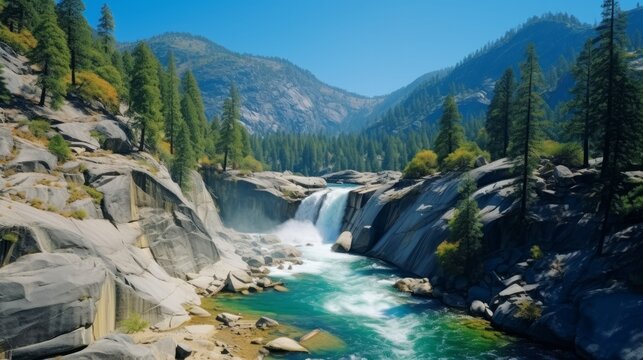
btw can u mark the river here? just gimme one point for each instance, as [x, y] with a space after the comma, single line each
[351, 298]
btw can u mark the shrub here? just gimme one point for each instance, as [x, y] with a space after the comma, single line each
[528, 310]
[449, 257]
[39, 128]
[568, 154]
[79, 214]
[37, 203]
[460, 159]
[91, 87]
[134, 323]
[631, 203]
[58, 146]
[464, 157]
[22, 42]
[249, 163]
[96, 195]
[98, 136]
[10, 236]
[536, 252]
[424, 163]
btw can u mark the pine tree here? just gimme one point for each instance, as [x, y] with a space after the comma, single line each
[19, 14]
[171, 102]
[184, 159]
[451, 134]
[212, 138]
[105, 30]
[197, 125]
[230, 140]
[499, 116]
[466, 227]
[5, 95]
[583, 120]
[618, 100]
[52, 55]
[145, 96]
[71, 20]
[527, 126]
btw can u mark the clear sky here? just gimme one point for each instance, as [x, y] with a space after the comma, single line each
[370, 47]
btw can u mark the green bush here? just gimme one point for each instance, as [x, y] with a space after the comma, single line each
[249, 163]
[449, 257]
[464, 157]
[79, 214]
[630, 204]
[96, 195]
[528, 310]
[134, 323]
[23, 41]
[536, 252]
[58, 146]
[10, 236]
[39, 128]
[424, 163]
[568, 154]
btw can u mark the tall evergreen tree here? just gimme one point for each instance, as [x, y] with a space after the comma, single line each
[212, 138]
[197, 125]
[466, 227]
[105, 30]
[618, 100]
[230, 139]
[171, 101]
[530, 110]
[71, 20]
[451, 134]
[583, 121]
[52, 55]
[499, 115]
[184, 159]
[145, 96]
[19, 14]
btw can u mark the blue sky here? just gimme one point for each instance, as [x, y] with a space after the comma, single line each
[370, 47]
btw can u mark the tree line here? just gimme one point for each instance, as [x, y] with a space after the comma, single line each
[167, 110]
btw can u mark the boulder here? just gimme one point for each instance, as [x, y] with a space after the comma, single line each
[182, 351]
[266, 322]
[420, 287]
[480, 309]
[285, 344]
[563, 176]
[198, 311]
[202, 282]
[343, 242]
[200, 330]
[480, 161]
[228, 319]
[235, 284]
[33, 159]
[115, 139]
[512, 290]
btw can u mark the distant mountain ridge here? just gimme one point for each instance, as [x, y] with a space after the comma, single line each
[558, 39]
[277, 96]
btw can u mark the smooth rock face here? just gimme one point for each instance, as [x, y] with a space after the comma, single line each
[115, 346]
[228, 318]
[64, 286]
[362, 178]
[285, 344]
[343, 242]
[32, 159]
[6, 143]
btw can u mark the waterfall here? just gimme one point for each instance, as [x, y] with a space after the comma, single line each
[331, 213]
[309, 208]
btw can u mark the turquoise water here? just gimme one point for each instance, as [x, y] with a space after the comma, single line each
[352, 298]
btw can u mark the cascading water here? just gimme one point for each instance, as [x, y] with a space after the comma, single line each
[352, 298]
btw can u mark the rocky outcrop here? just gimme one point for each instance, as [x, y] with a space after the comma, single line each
[362, 178]
[567, 297]
[284, 344]
[269, 198]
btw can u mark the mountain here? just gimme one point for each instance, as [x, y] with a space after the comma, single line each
[558, 39]
[277, 96]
